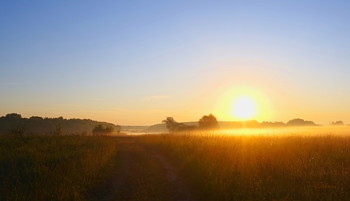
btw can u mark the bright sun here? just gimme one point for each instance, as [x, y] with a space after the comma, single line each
[243, 107]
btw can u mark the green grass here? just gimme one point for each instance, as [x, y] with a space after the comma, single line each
[52, 168]
[261, 168]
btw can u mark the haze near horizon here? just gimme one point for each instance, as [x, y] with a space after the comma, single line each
[135, 62]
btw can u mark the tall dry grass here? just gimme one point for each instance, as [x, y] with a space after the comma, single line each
[256, 168]
[52, 168]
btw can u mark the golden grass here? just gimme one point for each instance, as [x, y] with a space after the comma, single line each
[216, 167]
[52, 168]
[261, 167]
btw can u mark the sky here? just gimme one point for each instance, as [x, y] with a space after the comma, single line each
[137, 62]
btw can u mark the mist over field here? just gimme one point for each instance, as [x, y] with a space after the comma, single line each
[291, 131]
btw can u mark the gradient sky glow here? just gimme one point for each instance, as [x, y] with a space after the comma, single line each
[137, 62]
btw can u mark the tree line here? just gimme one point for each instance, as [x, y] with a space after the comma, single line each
[207, 122]
[17, 125]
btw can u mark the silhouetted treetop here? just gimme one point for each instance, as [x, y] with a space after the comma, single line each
[337, 123]
[13, 116]
[300, 122]
[174, 126]
[272, 124]
[208, 122]
[101, 130]
[36, 118]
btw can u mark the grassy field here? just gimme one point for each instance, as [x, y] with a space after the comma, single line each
[250, 168]
[52, 168]
[261, 168]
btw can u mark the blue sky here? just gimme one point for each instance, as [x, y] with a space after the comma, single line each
[136, 62]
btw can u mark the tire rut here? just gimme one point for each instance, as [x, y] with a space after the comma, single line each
[142, 173]
[181, 189]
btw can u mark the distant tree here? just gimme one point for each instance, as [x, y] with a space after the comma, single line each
[174, 126]
[100, 130]
[208, 122]
[36, 118]
[300, 122]
[13, 116]
[337, 123]
[272, 124]
[170, 123]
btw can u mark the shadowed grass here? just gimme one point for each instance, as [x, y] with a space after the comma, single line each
[52, 168]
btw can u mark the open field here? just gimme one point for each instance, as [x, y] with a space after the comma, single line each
[176, 167]
[175, 100]
[287, 131]
[52, 168]
[261, 168]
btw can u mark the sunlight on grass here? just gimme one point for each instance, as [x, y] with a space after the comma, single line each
[222, 167]
[283, 131]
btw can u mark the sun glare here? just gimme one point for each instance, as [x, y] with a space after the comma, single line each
[243, 107]
[243, 103]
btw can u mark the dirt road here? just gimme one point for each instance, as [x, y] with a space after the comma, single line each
[142, 173]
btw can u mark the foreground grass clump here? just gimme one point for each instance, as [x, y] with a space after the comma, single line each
[261, 168]
[52, 168]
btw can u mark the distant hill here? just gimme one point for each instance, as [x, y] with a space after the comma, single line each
[161, 128]
[50, 126]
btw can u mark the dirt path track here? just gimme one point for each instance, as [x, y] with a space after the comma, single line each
[142, 173]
